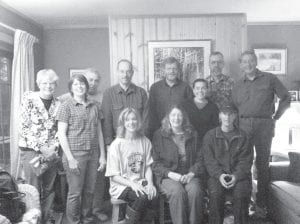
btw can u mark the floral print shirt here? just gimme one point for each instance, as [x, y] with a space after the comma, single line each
[37, 127]
[219, 91]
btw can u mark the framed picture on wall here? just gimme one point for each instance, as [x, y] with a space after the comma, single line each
[76, 71]
[294, 95]
[272, 60]
[193, 56]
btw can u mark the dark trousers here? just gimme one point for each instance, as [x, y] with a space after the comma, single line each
[260, 133]
[139, 204]
[186, 201]
[44, 183]
[241, 196]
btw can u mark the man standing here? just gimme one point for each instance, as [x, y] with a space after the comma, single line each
[165, 93]
[228, 160]
[254, 95]
[122, 95]
[219, 85]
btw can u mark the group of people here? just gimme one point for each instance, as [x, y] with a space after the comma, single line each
[181, 142]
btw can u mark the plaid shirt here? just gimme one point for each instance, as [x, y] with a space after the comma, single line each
[82, 123]
[219, 91]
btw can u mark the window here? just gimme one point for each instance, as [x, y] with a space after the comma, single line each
[5, 96]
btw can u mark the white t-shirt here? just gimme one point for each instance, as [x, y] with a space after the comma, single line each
[128, 159]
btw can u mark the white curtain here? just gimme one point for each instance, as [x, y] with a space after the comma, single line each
[22, 80]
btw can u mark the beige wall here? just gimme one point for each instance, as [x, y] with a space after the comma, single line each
[280, 36]
[77, 48]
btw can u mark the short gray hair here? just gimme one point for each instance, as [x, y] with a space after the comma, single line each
[46, 73]
[94, 71]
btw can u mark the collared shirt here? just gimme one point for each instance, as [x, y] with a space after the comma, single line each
[232, 156]
[116, 99]
[162, 97]
[255, 98]
[83, 121]
[219, 91]
[37, 127]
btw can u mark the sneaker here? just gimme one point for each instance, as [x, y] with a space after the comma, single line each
[259, 213]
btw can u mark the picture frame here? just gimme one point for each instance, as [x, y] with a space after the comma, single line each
[294, 95]
[272, 60]
[74, 71]
[193, 56]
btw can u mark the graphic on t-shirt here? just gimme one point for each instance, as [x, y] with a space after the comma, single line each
[135, 162]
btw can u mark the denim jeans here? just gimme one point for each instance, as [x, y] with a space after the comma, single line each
[241, 198]
[44, 183]
[186, 201]
[81, 187]
[102, 185]
[260, 133]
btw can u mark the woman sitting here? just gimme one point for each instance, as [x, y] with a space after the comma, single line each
[178, 167]
[129, 168]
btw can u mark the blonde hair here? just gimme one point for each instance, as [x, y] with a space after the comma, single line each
[46, 74]
[121, 130]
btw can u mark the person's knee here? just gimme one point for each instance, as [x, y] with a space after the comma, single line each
[178, 192]
[195, 191]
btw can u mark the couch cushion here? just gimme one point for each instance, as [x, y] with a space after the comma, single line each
[294, 170]
[288, 193]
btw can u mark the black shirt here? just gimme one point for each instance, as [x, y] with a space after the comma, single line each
[202, 119]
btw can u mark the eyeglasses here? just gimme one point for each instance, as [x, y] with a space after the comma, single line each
[48, 83]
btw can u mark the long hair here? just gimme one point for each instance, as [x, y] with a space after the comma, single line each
[80, 78]
[186, 125]
[121, 130]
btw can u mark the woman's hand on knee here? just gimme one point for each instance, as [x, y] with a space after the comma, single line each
[151, 190]
[138, 189]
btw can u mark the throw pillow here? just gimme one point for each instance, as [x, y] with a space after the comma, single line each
[294, 169]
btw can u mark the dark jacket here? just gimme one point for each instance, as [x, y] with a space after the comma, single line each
[230, 157]
[166, 156]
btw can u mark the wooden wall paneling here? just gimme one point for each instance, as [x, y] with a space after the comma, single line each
[129, 36]
[222, 40]
[150, 34]
[113, 41]
[137, 49]
[163, 29]
[209, 29]
[236, 46]
[176, 29]
[126, 38]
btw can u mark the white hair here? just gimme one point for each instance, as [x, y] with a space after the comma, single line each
[46, 74]
[92, 70]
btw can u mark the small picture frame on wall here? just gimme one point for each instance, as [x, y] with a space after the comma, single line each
[272, 60]
[76, 72]
[294, 95]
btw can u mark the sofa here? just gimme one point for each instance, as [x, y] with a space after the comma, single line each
[284, 190]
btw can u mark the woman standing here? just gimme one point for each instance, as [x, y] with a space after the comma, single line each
[178, 167]
[37, 134]
[129, 168]
[80, 136]
[203, 114]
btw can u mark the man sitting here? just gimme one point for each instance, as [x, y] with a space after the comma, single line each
[228, 159]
